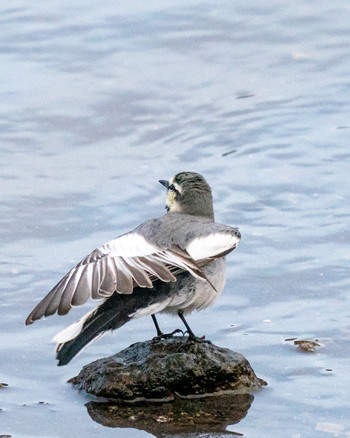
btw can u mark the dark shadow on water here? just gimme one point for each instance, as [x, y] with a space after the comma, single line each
[193, 418]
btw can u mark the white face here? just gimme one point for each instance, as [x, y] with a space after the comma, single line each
[173, 192]
[175, 184]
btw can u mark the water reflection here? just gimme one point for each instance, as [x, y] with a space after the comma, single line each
[196, 417]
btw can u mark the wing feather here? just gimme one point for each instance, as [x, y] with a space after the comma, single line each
[96, 280]
[82, 291]
[124, 282]
[109, 282]
[139, 274]
[156, 268]
[69, 290]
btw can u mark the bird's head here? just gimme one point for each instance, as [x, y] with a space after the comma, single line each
[189, 193]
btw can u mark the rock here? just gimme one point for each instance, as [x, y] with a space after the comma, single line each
[160, 370]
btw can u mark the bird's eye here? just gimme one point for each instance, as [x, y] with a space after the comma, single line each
[171, 187]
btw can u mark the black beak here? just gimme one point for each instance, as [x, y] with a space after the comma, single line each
[164, 183]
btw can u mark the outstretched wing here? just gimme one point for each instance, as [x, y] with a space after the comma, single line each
[134, 260]
[119, 265]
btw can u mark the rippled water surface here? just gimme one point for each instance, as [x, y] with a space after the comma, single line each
[98, 101]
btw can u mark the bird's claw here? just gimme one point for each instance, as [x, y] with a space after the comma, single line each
[167, 335]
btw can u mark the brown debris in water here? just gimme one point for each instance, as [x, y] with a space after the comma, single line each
[307, 346]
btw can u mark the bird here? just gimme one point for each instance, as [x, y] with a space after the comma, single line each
[172, 264]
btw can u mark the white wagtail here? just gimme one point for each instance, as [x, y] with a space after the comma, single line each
[174, 264]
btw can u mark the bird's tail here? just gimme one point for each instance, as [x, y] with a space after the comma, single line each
[111, 314]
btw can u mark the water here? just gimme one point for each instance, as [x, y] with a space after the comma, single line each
[98, 102]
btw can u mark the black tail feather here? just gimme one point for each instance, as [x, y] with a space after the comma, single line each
[111, 314]
[96, 325]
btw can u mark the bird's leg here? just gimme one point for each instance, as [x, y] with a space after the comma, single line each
[189, 330]
[192, 336]
[160, 334]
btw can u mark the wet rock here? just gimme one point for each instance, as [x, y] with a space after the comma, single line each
[160, 370]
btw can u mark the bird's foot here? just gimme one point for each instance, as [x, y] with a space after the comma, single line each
[162, 335]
